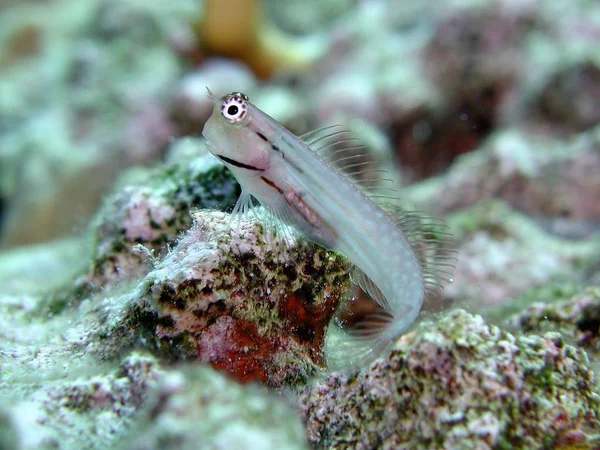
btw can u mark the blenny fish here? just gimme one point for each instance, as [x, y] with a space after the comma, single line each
[399, 257]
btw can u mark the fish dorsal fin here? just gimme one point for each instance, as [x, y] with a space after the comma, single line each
[312, 135]
[428, 237]
[431, 242]
[345, 152]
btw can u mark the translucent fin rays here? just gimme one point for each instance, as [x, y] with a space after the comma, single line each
[278, 235]
[345, 153]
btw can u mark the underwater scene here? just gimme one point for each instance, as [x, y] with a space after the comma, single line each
[300, 224]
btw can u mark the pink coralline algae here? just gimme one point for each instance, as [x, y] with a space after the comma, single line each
[576, 318]
[151, 213]
[229, 296]
[458, 384]
[535, 175]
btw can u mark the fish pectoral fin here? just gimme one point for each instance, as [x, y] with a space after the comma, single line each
[244, 204]
[276, 224]
[278, 236]
[243, 208]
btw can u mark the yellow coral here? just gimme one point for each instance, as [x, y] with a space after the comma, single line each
[238, 29]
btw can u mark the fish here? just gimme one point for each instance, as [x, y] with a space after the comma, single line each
[398, 257]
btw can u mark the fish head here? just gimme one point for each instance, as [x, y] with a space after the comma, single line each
[231, 136]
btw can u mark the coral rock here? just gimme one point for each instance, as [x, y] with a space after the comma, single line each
[572, 97]
[458, 384]
[577, 318]
[197, 405]
[230, 297]
[152, 213]
[544, 178]
[503, 252]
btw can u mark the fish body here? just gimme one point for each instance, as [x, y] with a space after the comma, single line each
[304, 190]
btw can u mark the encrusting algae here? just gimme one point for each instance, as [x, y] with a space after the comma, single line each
[224, 297]
[459, 383]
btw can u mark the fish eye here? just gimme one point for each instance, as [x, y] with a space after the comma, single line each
[234, 107]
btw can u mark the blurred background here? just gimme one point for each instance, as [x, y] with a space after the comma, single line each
[462, 101]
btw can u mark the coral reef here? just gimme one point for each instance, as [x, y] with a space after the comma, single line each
[197, 405]
[576, 318]
[152, 212]
[549, 179]
[503, 252]
[66, 100]
[458, 383]
[473, 59]
[231, 298]
[224, 296]
[142, 405]
[47, 410]
[59, 387]
[107, 336]
[56, 263]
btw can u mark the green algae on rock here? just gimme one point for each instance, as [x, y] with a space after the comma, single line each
[504, 252]
[230, 296]
[576, 318]
[144, 217]
[152, 213]
[142, 404]
[458, 384]
[200, 408]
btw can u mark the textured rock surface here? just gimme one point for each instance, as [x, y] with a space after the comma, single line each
[571, 97]
[502, 253]
[228, 296]
[576, 318]
[537, 175]
[139, 405]
[152, 212]
[197, 408]
[458, 383]
[233, 297]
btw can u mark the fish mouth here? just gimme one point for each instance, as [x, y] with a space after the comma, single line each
[239, 164]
